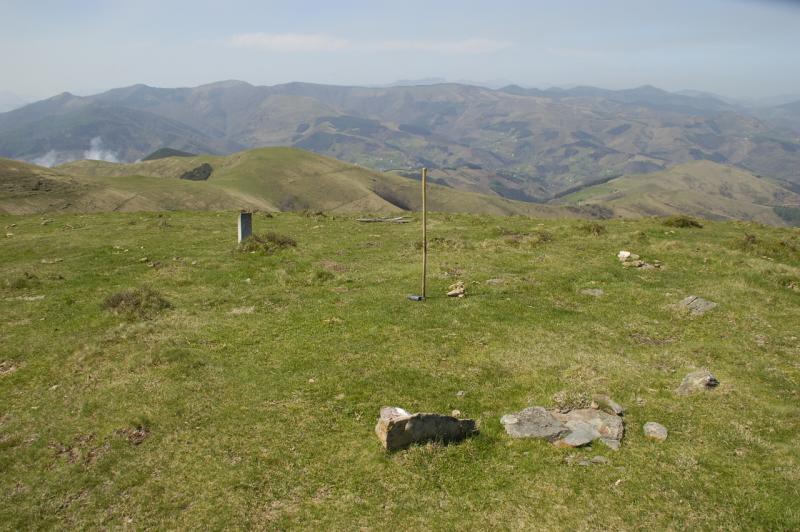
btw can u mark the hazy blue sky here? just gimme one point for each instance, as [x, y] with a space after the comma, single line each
[734, 47]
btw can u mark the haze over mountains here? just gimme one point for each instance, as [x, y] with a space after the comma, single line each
[519, 143]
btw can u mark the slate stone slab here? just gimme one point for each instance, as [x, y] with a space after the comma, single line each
[533, 422]
[397, 429]
[697, 305]
[573, 428]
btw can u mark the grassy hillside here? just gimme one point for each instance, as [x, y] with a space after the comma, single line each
[701, 188]
[251, 401]
[273, 179]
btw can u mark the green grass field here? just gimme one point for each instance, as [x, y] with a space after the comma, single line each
[251, 402]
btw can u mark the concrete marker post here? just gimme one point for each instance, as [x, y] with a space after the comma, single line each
[245, 225]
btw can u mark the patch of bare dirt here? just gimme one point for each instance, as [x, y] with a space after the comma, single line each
[7, 368]
[134, 435]
[83, 449]
[332, 266]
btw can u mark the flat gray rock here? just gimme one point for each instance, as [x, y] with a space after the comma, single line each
[397, 429]
[577, 438]
[573, 428]
[607, 405]
[533, 422]
[655, 431]
[697, 381]
[594, 292]
[697, 305]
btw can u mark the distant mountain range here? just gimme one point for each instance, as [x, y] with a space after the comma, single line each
[518, 143]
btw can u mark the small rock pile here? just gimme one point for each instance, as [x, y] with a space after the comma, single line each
[573, 428]
[632, 260]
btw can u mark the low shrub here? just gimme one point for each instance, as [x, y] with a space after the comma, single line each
[268, 243]
[26, 280]
[682, 221]
[787, 248]
[592, 228]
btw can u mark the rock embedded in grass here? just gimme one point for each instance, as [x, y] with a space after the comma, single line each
[607, 405]
[533, 422]
[456, 290]
[594, 292]
[632, 260]
[574, 428]
[398, 429]
[697, 305]
[655, 431]
[697, 381]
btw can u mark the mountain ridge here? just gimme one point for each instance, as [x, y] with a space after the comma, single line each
[512, 142]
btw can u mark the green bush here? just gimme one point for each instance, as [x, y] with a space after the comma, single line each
[592, 228]
[682, 221]
[269, 243]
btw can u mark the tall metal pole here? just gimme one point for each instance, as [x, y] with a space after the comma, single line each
[424, 230]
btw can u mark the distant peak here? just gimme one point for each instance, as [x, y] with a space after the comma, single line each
[225, 84]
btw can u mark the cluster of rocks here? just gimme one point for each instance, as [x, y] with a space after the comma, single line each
[602, 420]
[573, 428]
[632, 260]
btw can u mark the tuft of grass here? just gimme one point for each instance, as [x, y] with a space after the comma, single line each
[268, 243]
[26, 280]
[321, 277]
[592, 228]
[531, 239]
[142, 303]
[787, 247]
[683, 221]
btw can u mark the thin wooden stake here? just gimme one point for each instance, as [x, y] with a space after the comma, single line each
[424, 230]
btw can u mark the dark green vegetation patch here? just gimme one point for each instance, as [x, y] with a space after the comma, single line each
[200, 173]
[143, 303]
[682, 221]
[267, 243]
[163, 153]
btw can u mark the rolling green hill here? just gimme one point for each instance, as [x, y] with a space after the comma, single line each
[271, 179]
[702, 188]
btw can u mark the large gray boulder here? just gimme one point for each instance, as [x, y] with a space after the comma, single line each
[697, 381]
[398, 429]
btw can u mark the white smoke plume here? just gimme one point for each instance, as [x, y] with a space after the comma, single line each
[49, 159]
[96, 152]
